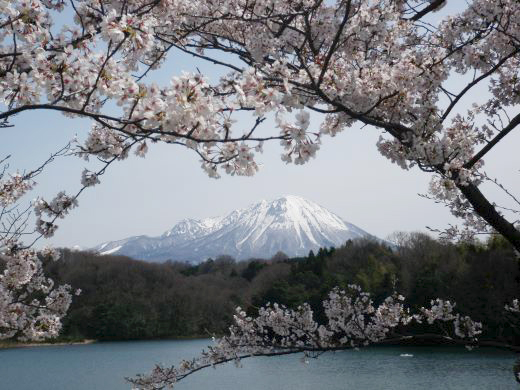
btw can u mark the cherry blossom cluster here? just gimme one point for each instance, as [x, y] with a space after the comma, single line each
[13, 188]
[372, 62]
[514, 307]
[89, 178]
[441, 310]
[31, 306]
[59, 207]
[353, 320]
[376, 63]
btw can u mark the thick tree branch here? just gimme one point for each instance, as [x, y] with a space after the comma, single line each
[425, 11]
[489, 213]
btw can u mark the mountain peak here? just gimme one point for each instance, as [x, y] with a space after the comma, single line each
[292, 199]
[290, 224]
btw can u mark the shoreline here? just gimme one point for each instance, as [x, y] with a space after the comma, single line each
[58, 343]
[10, 345]
[19, 345]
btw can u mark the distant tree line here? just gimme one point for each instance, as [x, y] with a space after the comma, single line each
[126, 299]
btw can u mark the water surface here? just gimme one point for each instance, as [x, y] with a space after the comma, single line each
[104, 366]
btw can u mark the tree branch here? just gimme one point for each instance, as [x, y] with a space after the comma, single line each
[489, 213]
[432, 7]
[505, 131]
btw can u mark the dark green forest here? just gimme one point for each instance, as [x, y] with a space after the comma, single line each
[126, 299]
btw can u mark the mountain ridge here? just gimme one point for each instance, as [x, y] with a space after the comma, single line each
[290, 224]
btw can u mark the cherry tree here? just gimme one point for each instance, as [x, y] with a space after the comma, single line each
[353, 321]
[31, 306]
[377, 63]
[381, 63]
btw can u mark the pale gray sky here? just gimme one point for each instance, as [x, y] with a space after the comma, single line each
[148, 196]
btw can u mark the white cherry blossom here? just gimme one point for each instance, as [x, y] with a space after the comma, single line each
[352, 321]
[380, 63]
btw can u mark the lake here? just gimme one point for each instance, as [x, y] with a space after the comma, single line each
[104, 365]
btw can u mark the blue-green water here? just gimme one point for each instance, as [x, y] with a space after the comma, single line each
[104, 365]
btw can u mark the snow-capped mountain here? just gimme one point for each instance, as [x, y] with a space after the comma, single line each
[290, 224]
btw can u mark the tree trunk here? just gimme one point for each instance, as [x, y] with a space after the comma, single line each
[488, 212]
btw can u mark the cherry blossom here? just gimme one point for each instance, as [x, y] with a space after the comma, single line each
[352, 321]
[31, 305]
[387, 64]
[514, 307]
[379, 63]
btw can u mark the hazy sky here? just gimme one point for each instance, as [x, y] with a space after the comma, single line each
[148, 196]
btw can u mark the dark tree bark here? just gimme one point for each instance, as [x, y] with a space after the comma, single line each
[489, 213]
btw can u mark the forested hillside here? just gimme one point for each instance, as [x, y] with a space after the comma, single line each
[128, 299]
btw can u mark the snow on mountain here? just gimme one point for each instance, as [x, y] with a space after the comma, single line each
[289, 224]
[110, 251]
